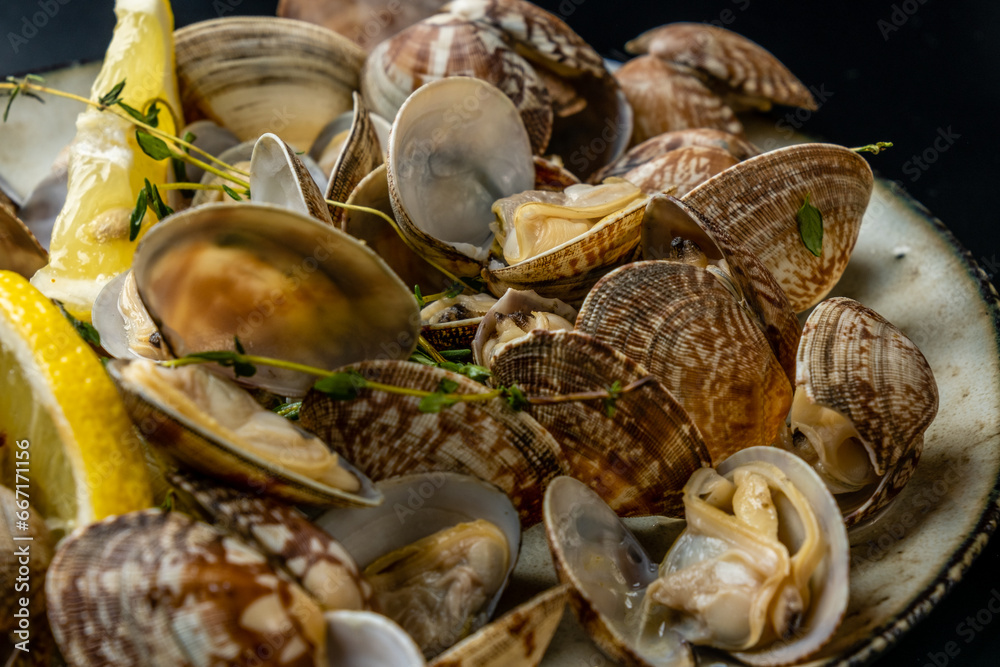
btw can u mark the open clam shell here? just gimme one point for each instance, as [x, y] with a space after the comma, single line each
[125, 327]
[756, 202]
[368, 639]
[194, 438]
[681, 323]
[864, 397]
[451, 323]
[279, 177]
[20, 251]
[457, 146]
[680, 171]
[655, 147]
[386, 435]
[360, 153]
[638, 458]
[751, 76]
[288, 286]
[418, 506]
[519, 308]
[255, 75]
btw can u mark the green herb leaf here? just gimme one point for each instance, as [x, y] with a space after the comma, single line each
[341, 386]
[155, 202]
[241, 367]
[135, 220]
[113, 96]
[168, 501]
[188, 138]
[86, 331]
[13, 96]
[435, 402]
[417, 294]
[180, 171]
[244, 369]
[152, 146]
[150, 118]
[874, 149]
[453, 291]
[610, 403]
[811, 227]
[456, 355]
[516, 397]
[446, 386]
[238, 345]
[232, 193]
[289, 410]
[421, 358]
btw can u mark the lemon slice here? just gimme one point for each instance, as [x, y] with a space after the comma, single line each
[84, 462]
[90, 243]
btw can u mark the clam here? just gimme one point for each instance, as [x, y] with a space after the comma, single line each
[238, 158]
[387, 435]
[381, 237]
[452, 322]
[279, 177]
[287, 285]
[756, 202]
[364, 22]
[665, 98]
[209, 137]
[637, 457]
[657, 146]
[514, 316]
[682, 323]
[749, 76]
[154, 588]
[438, 553]
[864, 395]
[20, 251]
[309, 555]
[762, 568]
[456, 147]
[255, 75]
[368, 639]
[560, 243]
[551, 174]
[212, 425]
[123, 323]
[680, 171]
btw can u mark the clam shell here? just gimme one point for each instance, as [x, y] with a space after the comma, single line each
[680, 171]
[755, 76]
[20, 251]
[318, 563]
[380, 236]
[853, 360]
[361, 153]
[756, 203]
[511, 302]
[665, 97]
[637, 459]
[154, 588]
[187, 442]
[568, 271]
[367, 22]
[279, 177]
[456, 147]
[655, 147]
[552, 176]
[313, 294]
[254, 75]
[386, 435]
[682, 324]
[368, 639]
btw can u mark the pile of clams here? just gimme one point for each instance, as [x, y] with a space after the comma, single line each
[656, 306]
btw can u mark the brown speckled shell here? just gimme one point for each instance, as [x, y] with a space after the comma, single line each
[360, 155]
[756, 203]
[853, 360]
[315, 560]
[665, 97]
[680, 171]
[519, 637]
[654, 147]
[762, 296]
[311, 195]
[365, 22]
[386, 435]
[251, 74]
[740, 64]
[639, 459]
[569, 271]
[444, 46]
[154, 588]
[20, 251]
[552, 176]
[679, 321]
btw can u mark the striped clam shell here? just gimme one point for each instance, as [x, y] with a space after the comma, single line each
[681, 323]
[855, 361]
[389, 436]
[755, 76]
[360, 154]
[756, 202]
[680, 171]
[637, 459]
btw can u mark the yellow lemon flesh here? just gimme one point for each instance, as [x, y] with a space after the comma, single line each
[66, 439]
[90, 243]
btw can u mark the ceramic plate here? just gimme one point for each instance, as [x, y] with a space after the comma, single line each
[908, 267]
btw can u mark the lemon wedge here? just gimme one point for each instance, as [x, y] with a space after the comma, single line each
[83, 460]
[90, 243]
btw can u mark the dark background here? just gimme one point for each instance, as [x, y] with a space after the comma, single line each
[906, 71]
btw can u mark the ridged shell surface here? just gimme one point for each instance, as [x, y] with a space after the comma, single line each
[637, 459]
[757, 200]
[360, 155]
[389, 436]
[682, 324]
[732, 59]
[654, 147]
[680, 171]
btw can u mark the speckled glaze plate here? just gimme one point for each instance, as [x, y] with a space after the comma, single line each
[908, 267]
